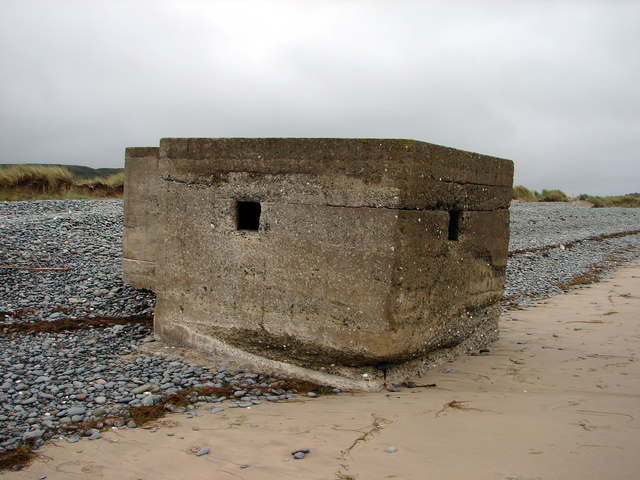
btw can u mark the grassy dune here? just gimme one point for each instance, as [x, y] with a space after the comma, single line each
[523, 194]
[42, 182]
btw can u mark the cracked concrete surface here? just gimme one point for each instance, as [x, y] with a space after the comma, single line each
[364, 252]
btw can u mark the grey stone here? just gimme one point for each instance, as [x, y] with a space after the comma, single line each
[147, 387]
[32, 434]
[203, 451]
[99, 412]
[149, 400]
[76, 411]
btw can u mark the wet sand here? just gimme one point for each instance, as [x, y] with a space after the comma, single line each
[558, 396]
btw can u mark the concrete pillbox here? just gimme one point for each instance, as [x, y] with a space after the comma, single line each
[325, 257]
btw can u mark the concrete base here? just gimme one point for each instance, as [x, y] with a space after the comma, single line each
[345, 378]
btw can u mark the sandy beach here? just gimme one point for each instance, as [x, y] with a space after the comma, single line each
[558, 396]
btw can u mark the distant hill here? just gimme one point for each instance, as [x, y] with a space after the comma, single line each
[78, 172]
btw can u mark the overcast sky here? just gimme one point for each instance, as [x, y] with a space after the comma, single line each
[553, 86]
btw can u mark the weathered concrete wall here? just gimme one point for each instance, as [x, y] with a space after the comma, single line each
[142, 195]
[366, 251]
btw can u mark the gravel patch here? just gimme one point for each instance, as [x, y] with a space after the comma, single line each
[535, 225]
[552, 245]
[76, 247]
[62, 260]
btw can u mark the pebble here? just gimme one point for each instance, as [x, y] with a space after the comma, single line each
[301, 450]
[76, 411]
[32, 434]
[150, 400]
[203, 451]
[391, 450]
[142, 388]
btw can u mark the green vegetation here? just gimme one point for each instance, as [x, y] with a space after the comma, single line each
[78, 172]
[553, 196]
[523, 194]
[41, 182]
[112, 181]
[629, 200]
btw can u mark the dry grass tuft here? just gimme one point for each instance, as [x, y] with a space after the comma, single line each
[42, 182]
[631, 200]
[523, 194]
[32, 181]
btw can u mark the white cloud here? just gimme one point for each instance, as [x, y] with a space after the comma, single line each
[552, 86]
